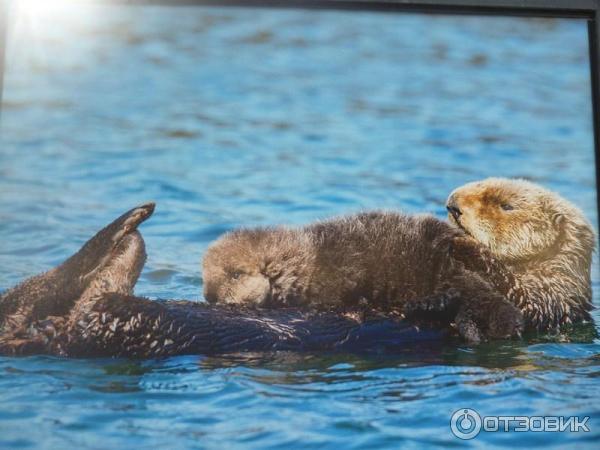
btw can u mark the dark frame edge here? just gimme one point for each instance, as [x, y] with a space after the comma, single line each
[3, 38]
[594, 48]
[583, 9]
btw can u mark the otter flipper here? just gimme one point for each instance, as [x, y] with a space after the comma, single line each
[55, 292]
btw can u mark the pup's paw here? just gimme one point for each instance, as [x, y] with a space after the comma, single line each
[473, 255]
[468, 330]
[506, 322]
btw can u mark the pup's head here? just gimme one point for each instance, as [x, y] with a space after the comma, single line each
[518, 220]
[253, 267]
[233, 269]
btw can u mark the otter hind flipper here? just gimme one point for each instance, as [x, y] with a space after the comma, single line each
[55, 292]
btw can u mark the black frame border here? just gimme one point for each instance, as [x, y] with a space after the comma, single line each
[582, 9]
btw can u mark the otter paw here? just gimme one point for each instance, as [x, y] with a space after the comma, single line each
[468, 330]
[506, 322]
[468, 251]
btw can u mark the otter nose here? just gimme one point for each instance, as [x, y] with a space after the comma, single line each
[453, 208]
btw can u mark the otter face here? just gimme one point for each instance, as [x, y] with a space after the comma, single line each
[232, 274]
[515, 219]
[265, 267]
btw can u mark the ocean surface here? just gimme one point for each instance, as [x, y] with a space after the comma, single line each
[239, 117]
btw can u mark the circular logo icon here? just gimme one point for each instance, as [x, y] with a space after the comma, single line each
[465, 423]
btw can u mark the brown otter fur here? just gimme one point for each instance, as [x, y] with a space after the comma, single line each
[386, 261]
[84, 308]
[537, 248]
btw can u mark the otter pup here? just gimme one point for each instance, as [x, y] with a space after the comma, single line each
[532, 245]
[381, 260]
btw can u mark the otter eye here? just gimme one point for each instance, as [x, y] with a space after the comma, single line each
[506, 207]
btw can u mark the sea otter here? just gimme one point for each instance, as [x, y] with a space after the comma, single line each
[71, 311]
[529, 244]
[382, 261]
[533, 245]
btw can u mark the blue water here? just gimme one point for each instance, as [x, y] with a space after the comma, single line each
[231, 117]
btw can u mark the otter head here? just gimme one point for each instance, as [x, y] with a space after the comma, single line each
[254, 267]
[233, 270]
[520, 221]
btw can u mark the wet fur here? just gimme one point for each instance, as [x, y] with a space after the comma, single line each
[68, 311]
[376, 261]
[92, 321]
[538, 253]
[104, 319]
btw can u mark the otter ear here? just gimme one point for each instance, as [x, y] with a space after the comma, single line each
[557, 217]
[558, 220]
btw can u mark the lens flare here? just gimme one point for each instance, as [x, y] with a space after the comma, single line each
[44, 7]
[34, 24]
